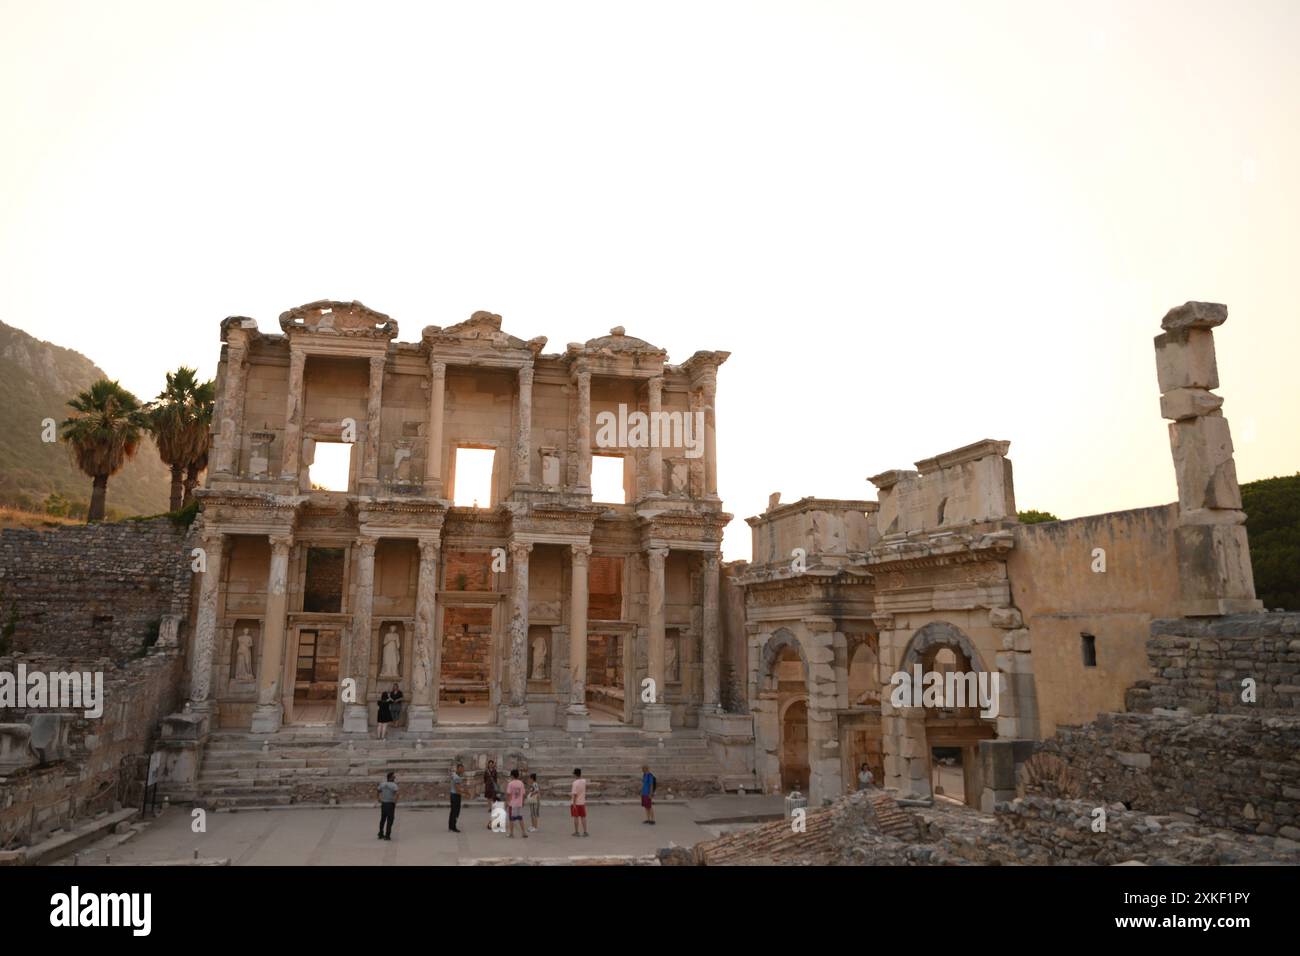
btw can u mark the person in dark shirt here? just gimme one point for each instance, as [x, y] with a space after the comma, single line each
[387, 806]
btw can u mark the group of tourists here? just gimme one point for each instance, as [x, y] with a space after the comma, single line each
[509, 802]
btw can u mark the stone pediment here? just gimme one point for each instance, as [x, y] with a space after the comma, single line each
[349, 319]
[480, 330]
[618, 341]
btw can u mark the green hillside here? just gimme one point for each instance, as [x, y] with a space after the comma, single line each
[36, 381]
[1273, 524]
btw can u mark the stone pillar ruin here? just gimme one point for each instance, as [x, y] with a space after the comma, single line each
[231, 426]
[710, 647]
[656, 717]
[356, 716]
[1213, 557]
[205, 629]
[656, 387]
[578, 720]
[708, 397]
[584, 431]
[517, 702]
[424, 672]
[292, 451]
[433, 445]
[374, 413]
[524, 432]
[269, 715]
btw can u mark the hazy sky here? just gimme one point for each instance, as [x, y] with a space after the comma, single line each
[913, 225]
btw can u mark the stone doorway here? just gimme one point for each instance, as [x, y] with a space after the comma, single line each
[315, 671]
[606, 694]
[794, 746]
[467, 665]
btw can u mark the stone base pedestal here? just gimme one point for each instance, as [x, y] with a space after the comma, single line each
[419, 719]
[356, 719]
[656, 719]
[267, 718]
[577, 720]
[516, 720]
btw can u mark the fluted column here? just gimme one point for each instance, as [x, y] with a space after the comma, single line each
[655, 716]
[205, 628]
[231, 426]
[583, 376]
[579, 720]
[517, 702]
[433, 447]
[656, 386]
[356, 718]
[424, 673]
[269, 715]
[292, 452]
[524, 434]
[374, 411]
[712, 695]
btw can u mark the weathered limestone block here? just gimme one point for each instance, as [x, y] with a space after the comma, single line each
[1183, 403]
[1215, 570]
[1207, 475]
[1195, 315]
[1185, 359]
[1006, 617]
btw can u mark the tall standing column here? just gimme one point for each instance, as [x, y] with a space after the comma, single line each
[269, 715]
[517, 702]
[657, 436]
[524, 434]
[709, 395]
[711, 645]
[655, 716]
[584, 431]
[231, 426]
[374, 410]
[579, 720]
[433, 447]
[356, 716]
[205, 629]
[292, 452]
[424, 673]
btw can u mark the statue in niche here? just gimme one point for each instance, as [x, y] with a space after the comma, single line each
[539, 659]
[391, 661]
[244, 656]
[672, 669]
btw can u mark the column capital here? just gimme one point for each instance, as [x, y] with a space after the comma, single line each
[366, 542]
[519, 550]
[656, 386]
[581, 553]
[437, 368]
[712, 560]
[581, 374]
[430, 548]
[526, 374]
[297, 358]
[213, 540]
[657, 557]
[281, 541]
[377, 363]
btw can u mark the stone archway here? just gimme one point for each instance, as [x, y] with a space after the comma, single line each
[795, 770]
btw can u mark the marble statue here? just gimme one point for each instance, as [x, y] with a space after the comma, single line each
[391, 663]
[244, 656]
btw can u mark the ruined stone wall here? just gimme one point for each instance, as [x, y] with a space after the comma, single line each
[106, 757]
[97, 590]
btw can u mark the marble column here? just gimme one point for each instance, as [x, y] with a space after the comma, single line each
[517, 701]
[711, 644]
[356, 715]
[269, 715]
[578, 718]
[655, 717]
[524, 434]
[433, 445]
[292, 452]
[205, 629]
[656, 386]
[583, 376]
[374, 411]
[708, 396]
[424, 673]
[231, 426]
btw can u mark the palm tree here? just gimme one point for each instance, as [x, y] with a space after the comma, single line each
[171, 419]
[200, 436]
[103, 436]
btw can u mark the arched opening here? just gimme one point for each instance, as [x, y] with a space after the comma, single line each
[864, 676]
[794, 746]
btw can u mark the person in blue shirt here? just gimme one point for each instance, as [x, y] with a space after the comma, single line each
[648, 787]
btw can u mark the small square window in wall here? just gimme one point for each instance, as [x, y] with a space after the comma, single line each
[1088, 643]
[607, 479]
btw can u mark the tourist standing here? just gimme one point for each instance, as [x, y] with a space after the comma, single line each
[515, 800]
[457, 781]
[387, 806]
[534, 803]
[578, 802]
[648, 787]
[490, 791]
[395, 702]
[866, 778]
[385, 714]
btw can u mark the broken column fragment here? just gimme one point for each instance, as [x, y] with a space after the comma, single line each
[1213, 557]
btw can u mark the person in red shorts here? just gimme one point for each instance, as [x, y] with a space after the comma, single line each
[648, 787]
[578, 802]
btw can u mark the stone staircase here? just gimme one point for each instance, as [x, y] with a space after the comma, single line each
[242, 770]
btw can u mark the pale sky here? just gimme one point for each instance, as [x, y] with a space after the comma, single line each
[913, 225]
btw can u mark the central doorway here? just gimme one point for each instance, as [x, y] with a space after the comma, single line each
[316, 677]
[465, 675]
[606, 697]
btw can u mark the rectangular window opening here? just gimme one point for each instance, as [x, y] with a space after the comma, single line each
[472, 475]
[331, 466]
[607, 479]
[1089, 646]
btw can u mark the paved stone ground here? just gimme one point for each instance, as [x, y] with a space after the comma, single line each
[347, 836]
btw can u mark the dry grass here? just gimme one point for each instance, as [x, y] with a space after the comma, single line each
[13, 518]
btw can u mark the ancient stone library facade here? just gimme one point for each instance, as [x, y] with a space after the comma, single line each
[527, 543]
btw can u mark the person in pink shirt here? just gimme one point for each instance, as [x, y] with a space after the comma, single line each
[578, 802]
[515, 801]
